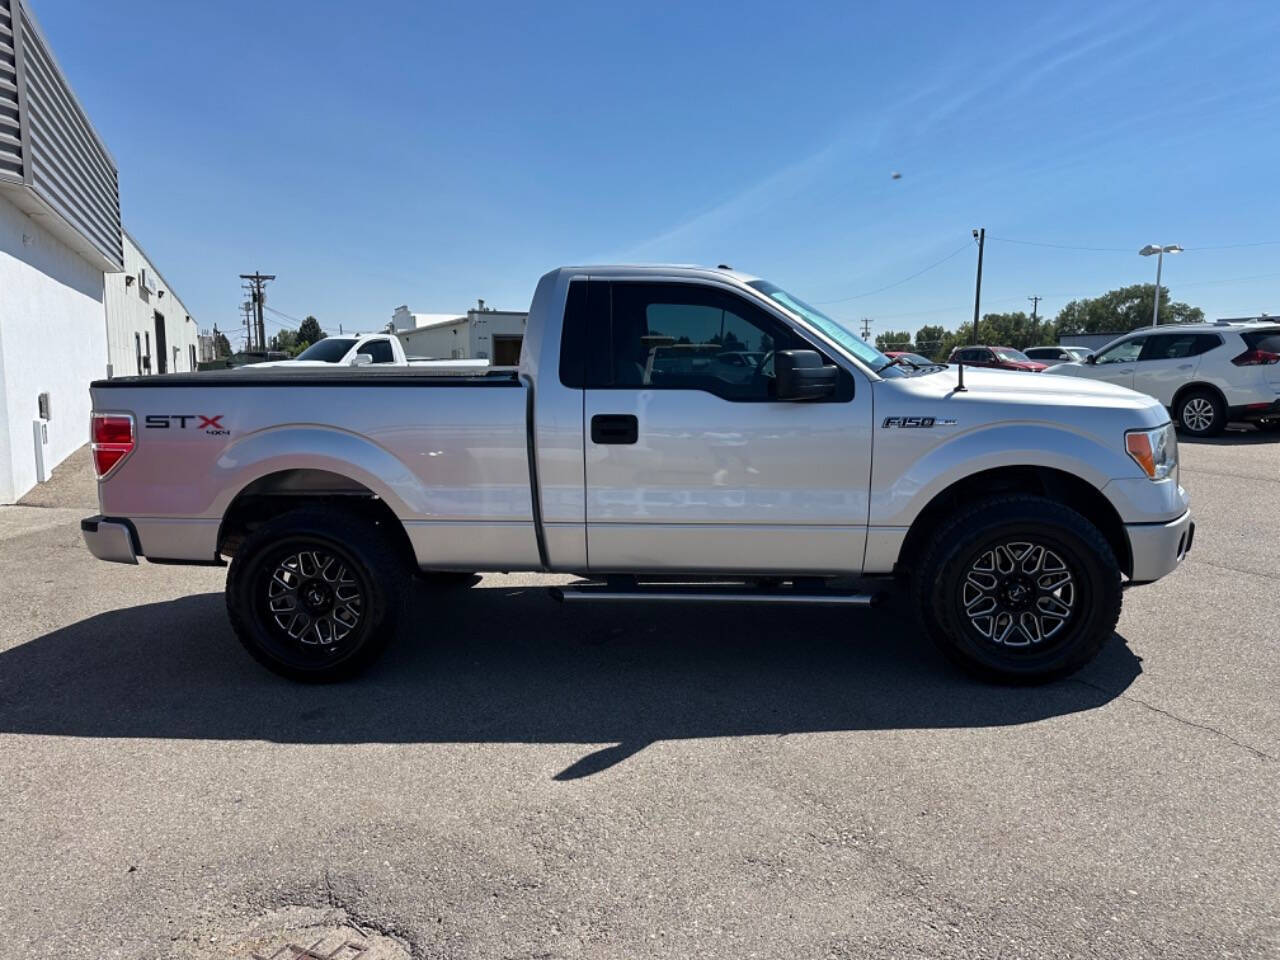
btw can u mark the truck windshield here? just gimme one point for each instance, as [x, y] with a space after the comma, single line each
[846, 338]
[329, 350]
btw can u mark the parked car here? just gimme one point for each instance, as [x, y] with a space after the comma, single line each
[1207, 374]
[999, 358]
[912, 358]
[1051, 356]
[1014, 509]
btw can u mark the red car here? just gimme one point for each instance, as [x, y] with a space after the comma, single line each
[1002, 358]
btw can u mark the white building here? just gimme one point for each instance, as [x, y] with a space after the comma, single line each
[59, 236]
[79, 300]
[149, 330]
[482, 334]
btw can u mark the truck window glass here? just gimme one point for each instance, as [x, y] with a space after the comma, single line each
[684, 337]
[329, 350]
[380, 350]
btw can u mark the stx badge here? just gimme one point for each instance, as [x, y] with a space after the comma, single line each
[178, 421]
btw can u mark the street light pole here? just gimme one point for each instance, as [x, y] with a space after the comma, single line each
[1159, 252]
[1155, 313]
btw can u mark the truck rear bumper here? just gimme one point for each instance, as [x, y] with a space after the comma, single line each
[109, 539]
[1158, 548]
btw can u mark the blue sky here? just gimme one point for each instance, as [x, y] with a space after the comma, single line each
[378, 153]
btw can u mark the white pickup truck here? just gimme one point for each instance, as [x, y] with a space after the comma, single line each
[673, 434]
[353, 351]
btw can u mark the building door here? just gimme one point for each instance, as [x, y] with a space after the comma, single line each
[162, 346]
[506, 350]
[691, 462]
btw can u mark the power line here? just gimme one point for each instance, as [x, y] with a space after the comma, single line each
[898, 283]
[283, 314]
[1236, 246]
[1060, 246]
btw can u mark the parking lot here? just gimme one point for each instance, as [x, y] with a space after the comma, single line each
[518, 779]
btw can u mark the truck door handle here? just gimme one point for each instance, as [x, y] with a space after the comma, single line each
[1185, 366]
[614, 428]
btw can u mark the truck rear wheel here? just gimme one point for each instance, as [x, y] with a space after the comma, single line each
[1018, 589]
[314, 594]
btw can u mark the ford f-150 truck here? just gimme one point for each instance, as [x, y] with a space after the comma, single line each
[672, 434]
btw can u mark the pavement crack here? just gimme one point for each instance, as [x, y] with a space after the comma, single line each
[1260, 754]
[1223, 566]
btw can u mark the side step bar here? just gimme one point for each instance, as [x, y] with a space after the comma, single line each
[606, 594]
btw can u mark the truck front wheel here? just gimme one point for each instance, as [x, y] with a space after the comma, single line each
[1018, 589]
[314, 594]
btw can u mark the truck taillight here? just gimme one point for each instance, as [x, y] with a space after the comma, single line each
[112, 441]
[1256, 358]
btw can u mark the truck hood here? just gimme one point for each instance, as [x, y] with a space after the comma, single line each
[1017, 395]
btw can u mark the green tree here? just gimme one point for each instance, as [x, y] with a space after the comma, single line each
[1122, 310]
[929, 340]
[309, 332]
[894, 340]
[1015, 330]
[286, 341]
[221, 345]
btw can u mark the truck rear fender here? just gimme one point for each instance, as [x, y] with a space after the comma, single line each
[290, 451]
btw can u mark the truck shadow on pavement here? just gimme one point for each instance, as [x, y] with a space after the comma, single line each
[501, 664]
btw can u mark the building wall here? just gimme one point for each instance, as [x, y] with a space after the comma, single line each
[52, 339]
[440, 341]
[131, 319]
[485, 325]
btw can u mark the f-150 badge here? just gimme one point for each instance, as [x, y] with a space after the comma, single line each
[918, 422]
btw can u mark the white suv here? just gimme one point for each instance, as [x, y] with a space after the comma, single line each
[1207, 374]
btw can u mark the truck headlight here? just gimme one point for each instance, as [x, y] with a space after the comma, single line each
[1155, 451]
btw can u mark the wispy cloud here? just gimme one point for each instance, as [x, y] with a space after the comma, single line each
[762, 195]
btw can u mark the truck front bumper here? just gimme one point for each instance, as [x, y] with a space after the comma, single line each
[109, 539]
[1158, 548]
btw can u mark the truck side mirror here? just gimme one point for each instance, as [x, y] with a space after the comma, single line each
[1091, 358]
[801, 375]
[361, 360]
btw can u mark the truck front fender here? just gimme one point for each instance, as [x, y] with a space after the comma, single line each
[918, 464]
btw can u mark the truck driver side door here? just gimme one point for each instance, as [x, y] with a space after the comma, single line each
[691, 463]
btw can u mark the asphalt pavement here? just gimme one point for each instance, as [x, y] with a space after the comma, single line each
[520, 779]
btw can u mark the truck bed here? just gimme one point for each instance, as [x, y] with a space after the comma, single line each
[449, 454]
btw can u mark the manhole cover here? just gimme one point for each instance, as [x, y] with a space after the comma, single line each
[321, 943]
[302, 937]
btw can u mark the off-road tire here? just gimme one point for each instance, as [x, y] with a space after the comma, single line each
[957, 550]
[370, 570]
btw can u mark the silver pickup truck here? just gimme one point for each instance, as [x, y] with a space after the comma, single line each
[673, 434]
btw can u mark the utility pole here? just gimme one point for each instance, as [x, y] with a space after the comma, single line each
[981, 236]
[258, 291]
[1035, 304]
[866, 328]
[247, 309]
